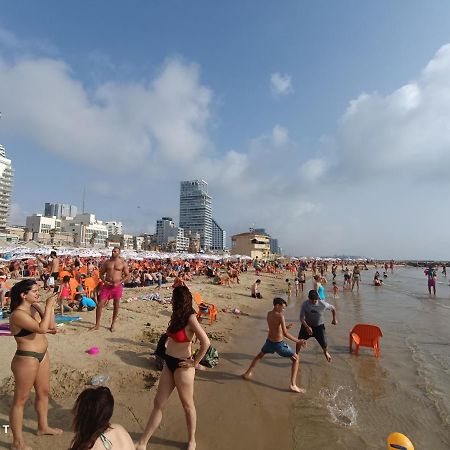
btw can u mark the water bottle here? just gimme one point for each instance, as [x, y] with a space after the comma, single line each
[100, 380]
[1, 314]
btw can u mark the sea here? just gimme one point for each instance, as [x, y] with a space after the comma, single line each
[358, 401]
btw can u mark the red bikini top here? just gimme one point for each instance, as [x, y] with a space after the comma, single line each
[179, 336]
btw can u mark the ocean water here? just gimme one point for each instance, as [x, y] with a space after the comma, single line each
[357, 401]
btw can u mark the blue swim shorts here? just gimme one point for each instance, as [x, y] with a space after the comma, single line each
[281, 348]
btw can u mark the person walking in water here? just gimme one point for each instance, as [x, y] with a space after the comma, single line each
[275, 344]
[431, 275]
[313, 324]
[356, 277]
[113, 273]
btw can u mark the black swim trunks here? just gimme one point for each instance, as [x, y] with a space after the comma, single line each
[318, 333]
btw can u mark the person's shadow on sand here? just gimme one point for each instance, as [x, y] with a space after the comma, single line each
[155, 440]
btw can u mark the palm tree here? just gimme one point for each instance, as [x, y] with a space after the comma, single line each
[93, 238]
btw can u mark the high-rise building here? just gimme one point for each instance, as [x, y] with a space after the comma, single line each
[6, 177]
[196, 210]
[60, 210]
[219, 237]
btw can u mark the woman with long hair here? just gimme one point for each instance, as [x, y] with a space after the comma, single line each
[91, 423]
[179, 365]
[31, 363]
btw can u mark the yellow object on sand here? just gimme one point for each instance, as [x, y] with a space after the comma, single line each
[399, 441]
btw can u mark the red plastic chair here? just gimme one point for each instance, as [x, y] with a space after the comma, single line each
[365, 335]
[205, 309]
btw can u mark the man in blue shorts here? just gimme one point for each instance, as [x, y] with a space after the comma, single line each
[275, 343]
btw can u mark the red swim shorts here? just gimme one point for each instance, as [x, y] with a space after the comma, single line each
[109, 292]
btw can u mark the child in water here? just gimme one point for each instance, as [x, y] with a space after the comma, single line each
[335, 290]
[289, 288]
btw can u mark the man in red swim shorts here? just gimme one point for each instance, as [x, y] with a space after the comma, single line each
[113, 273]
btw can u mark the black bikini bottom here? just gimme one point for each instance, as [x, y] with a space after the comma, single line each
[38, 356]
[172, 362]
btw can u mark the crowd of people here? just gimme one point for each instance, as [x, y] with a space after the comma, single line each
[29, 324]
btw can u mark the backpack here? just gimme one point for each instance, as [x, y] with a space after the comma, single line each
[211, 358]
[161, 346]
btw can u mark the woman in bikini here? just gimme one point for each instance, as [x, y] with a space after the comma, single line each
[91, 415]
[31, 364]
[179, 365]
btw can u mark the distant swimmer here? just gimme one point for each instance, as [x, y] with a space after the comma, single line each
[275, 343]
[311, 318]
[444, 270]
[431, 276]
[377, 281]
[356, 277]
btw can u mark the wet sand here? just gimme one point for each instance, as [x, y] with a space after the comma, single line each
[352, 403]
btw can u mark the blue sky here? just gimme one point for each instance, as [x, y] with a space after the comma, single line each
[324, 122]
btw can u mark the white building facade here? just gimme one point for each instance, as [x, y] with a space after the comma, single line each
[6, 179]
[114, 227]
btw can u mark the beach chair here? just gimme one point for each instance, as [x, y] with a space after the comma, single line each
[64, 273]
[89, 286]
[205, 309]
[73, 288]
[365, 335]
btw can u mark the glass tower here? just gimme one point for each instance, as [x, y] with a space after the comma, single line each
[196, 210]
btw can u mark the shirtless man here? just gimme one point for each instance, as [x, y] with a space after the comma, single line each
[255, 289]
[53, 265]
[113, 273]
[275, 343]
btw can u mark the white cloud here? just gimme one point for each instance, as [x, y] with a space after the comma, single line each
[281, 84]
[120, 126]
[280, 135]
[314, 169]
[405, 133]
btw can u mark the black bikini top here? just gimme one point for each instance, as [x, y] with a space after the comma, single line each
[23, 332]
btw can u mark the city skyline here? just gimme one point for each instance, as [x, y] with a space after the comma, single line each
[313, 120]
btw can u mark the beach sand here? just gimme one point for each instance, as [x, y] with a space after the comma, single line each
[355, 402]
[125, 357]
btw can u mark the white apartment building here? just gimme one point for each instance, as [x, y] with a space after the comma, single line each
[86, 230]
[38, 224]
[166, 230]
[114, 227]
[6, 177]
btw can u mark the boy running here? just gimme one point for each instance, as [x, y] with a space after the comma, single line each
[275, 343]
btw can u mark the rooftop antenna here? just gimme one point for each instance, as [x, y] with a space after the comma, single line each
[84, 196]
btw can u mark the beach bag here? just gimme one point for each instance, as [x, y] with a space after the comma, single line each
[161, 346]
[50, 281]
[211, 358]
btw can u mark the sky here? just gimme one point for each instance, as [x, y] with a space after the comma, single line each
[325, 122]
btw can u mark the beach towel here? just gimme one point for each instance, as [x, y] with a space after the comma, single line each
[60, 319]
